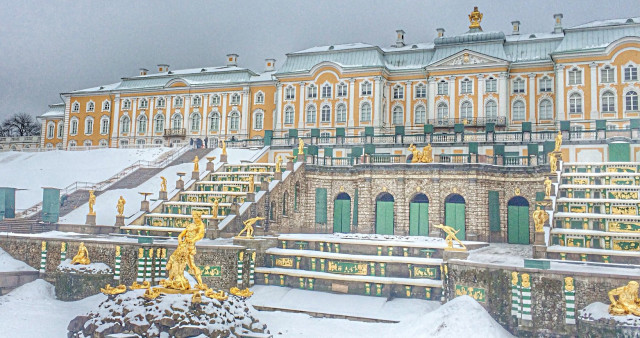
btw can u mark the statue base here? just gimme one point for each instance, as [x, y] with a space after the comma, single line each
[454, 253]
[210, 166]
[277, 176]
[301, 158]
[144, 206]
[540, 251]
[163, 196]
[91, 219]
[290, 166]
[264, 186]
[223, 158]
[119, 220]
[538, 238]
[195, 175]
[180, 184]
[251, 197]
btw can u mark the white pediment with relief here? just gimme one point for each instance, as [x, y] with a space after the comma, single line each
[468, 58]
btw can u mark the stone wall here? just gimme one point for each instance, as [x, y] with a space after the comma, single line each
[548, 307]
[437, 181]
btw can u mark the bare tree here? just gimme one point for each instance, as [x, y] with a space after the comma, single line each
[21, 124]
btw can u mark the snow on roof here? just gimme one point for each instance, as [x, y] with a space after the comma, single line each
[193, 71]
[412, 46]
[99, 88]
[345, 46]
[266, 76]
[533, 36]
[610, 22]
[55, 110]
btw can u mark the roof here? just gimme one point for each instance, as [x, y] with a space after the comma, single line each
[55, 110]
[530, 50]
[593, 37]
[358, 57]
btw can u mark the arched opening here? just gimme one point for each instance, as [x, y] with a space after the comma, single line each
[454, 214]
[384, 214]
[342, 213]
[518, 220]
[419, 215]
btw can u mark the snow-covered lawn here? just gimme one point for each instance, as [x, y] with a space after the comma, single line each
[58, 169]
[8, 263]
[500, 253]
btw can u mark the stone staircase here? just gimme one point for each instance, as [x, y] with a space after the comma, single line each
[597, 213]
[409, 267]
[24, 226]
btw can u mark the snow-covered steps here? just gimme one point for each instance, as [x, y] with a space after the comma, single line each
[251, 167]
[601, 178]
[240, 176]
[186, 208]
[211, 196]
[602, 167]
[584, 254]
[234, 186]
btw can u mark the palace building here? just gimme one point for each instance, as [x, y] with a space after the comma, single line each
[502, 81]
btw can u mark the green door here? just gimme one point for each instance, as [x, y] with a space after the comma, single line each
[619, 152]
[419, 219]
[384, 218]
[454, 214]
[321, 207]
[518, 221]
[342, 215]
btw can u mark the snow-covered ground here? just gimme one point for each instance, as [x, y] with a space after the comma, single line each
[461, 317]
[58, 169]
[500, 253]
[106, 202]
[8, 263]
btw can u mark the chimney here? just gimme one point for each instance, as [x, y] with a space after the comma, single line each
[163, 68]
[516, 27]
[440, 32]
[232, 59]
[558, 19]
[400, 38]
[143, 71]
[269, 65]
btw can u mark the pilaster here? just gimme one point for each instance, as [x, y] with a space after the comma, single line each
[560, 113]
[532, 97]
[503, 95]
[594, 91]
[452, 97]
[244, 127]
[301, 110]
[377, 107]
[431, 98]
[407, 110]
[480, 91]
[223, 115]
[351, 112]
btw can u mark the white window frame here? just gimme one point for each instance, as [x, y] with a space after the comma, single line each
[60, 130]
[290, 93]
[161, 102]
[214, 121]
[234, 120]
[106, 105]
[442, 111]
[104, 125]
[514, 111]
[126, 104]
[442, 88]
[193, 118]
[397, 115]
[91, 106]
[631, 105]
[543, 115]
[123, 124]
[494, 114]
[289, 115]
[398, 92]
[235, 99]
[632, 74]
[341, 113]
[576, 104]
[178, 102]
[310, 113]
[342, 90]
[574, 74]
[143, 103]
[196, 101]
[177, 119]
[312, 91]
[466, 86]
[542, 88]
[75, 107]
[215, 100]
[259, 98]
[609, 69]
[611, 102]
[158, 123]
[420, 114]
[51, 129]
[326, 92]
[466, 108]
[73, 126]
[365, 116]
[491, 85]
[325, 118]
[258, 119]
[519, 86]
[420, 91]
[142, 124]
[366, 88]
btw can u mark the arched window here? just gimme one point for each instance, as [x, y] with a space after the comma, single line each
[234, 121]
[608, 102]
[196, 101]
[443, 111]
[91, 106]
[75, 107]
[142, 124]
[289, 93]
[466, 111]
[466, 86]
[575, 103]
[365, 112]
[341, 113]
[235, 98]
[325, 113]
[607, 74]
[144, 104]
[326, 91]
[518, 111]
[161, 102]
[398, 115]
[288, 115]
[311, 114]
[421, 114]
[176, 121]
[398, 92]
[214, 121]
[106, 106]
[178, 101]
[195, 121]
[72, 144]
[342, 90]
[74, 126]
[491, 110]
[87, 143]
[546, 110]
[365, 88]
[159, 123]
[421, 91]
[575, 77]
[51, 129]
[103, 143]
[631, 73]
[215, 100]
[125, 124]
[104, 125]
[258, 120]
[60, 130]
[259, 99]
[631, 101]
[126, 104]
[312, 91]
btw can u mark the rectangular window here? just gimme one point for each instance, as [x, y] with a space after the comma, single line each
[421, 91]
[326, 92]
[518, 86]
[606, 75]
[443, 88]
[342, 90]
[366, 88]
[631, 73]
[575, 77]
[545, 85]
[466, 87]
[491, 85]
[312, 92]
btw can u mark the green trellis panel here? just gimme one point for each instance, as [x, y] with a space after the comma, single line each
[50, 205]
[619, 152]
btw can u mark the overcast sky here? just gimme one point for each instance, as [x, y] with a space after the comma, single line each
[49, 47]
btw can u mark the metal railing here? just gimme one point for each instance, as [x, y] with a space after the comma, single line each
[181, 132]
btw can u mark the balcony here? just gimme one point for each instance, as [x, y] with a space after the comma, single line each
[175, 132]
[478, 121]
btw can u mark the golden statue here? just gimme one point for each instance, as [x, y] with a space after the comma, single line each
[163, 184]
[92, 202]
[248, 227]
[220, 295]
[553, 162]
[627, 302]
[558, 142]
[526, 280]
[451, 236]
[300, 146]
[252, 184]
[109, 290]
[82, 257]
[568, 284]
[184, 254]
[279, 164]
[216, 206]
[242, 293]
[539, 218]
[196, 166]
[224, 147]
[547, 187]
[120, 206]
[514, 277]
[427, 154]
[416, 154]
[475, 18]
[144, 285]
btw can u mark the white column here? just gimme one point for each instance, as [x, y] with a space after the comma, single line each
[351, 112]
[480, 91]
[133, 132]
[152, 102]
[185, 119]
[452, 97]
[407, 110]
[301, 112]
[205, 116]
[377, 107]
[532, 97]
[594, 91]
[223, 115]
[560, 114]
[503, 96]
[387, 102]
[167, 113]
[431, 98]
[277, 117]
[65, 122]
[244, 127]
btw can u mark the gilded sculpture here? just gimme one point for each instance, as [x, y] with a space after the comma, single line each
[300, 146]
[475, 18]
[92, 202]
[514, 278]
[553, 162]
[252, 184]
[216, 206]
[82, 257]
[224, 147]
[568, 284]
[539, 218]
[526, 280]
[184, 255]
[558, 142]
[242, 293]
[416, 154]
[163, 184]
[120, 206]
[248, 227]
[196, 165]
[627, 301]
[427, 156]
[451, 236]
[279, 164]
[110, 290]
[547, 188]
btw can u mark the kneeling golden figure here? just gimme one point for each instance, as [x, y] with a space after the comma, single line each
[82, 257]
[627, 301]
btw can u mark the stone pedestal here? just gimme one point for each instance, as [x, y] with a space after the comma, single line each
[251, 197]
[301, 158]
[195, 175]
[144, 206]
[91, 219]
[264, 186]
[163, 196]
[290, 166]
[234, 208]
[119, 221]
[539, 238]
[540, 251]
[76, 285]
[260, 245]
[223, 158]
[180, 184]
[454, 254]
[210, 166]
[277, 176]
